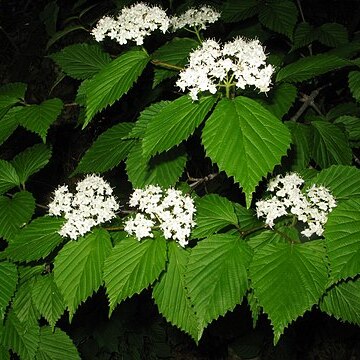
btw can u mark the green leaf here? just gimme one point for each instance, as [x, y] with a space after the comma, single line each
[49, 17]
[179, 118]
[247, 218]
[163, 170]
[107, 151]
[309, 67]
[342, 234]
[4, 353]
[81, 61]
[15, 212]
[234, 11]
[31, 161]
[113, 81]
[281, 99]
[288, 280]
[132, 266]
[36, 240]
[38, 118]
[245, 140]
[216, 276]
[174, 52]
[55, 345]
[303, 35]
[79, 265]
[352, 126]
[170, 293]
[354, 84]
[213, 213]
[8, 123]
[264, 238]
[343, 301]
[330, 145]
[48, 299]
[13, 90]
[8, 281]
[332, 34]
[60, 34]
[8, 177]
[21, 338]
[279, 15]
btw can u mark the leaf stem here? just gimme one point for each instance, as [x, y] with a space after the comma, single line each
[166, 65]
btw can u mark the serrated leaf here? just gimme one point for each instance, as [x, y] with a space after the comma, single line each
[60, 34]
[38, 118]
[163, 170]
[264, 238]
[234, 11]
[107, 151]
[113, 81]
[132, 266]
[216, 276]
[49, 17]
[55, 345]
[14, 90]
[279, 15]
[281, 99]
[288, 280]
[343, 301]
[8, 123]
[179, 118]
[20, 338]
[303, 35]
[8, 281]
[8, 177]
[170, 293]
[332, 34]
[352, 126]
[48, 299]
[213, 213]
[4, 353]
[31, 161]
[15, 212]
[330, 145]
[36, 240]
[247, 218]
[309, 67]
[240, 137]
[79, 265]
[342, 232]
[354, 84]
[81, 61]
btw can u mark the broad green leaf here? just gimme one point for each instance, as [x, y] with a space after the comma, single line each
[245, 140]
[113, 81]
[281, 99]
[4, 353]
[342, 232]
[347, 50]
[344, 108]
[332, 34]
[55, 345]
[23, 339]
[213, 213]
[60, 34]
[49, 17]
[132, 266]
[247, 218]
[264, 238]
[8, 123]
[79, 265]
[13, 90]
[36, 240]
[164, 169]
[31, 161]
[170, 293]
[342, 181]
[303, 35]
[81, 61]
[343, 301]
[216, 276]
[279, 15]
[330, 145]
[15, 212]
[48, 299]
[107, 151]
[174, 52]
[309, 67]
[354, 84]
[352, 126]
[38, 118]
[8, 281]
[8, 177]
[179, 118]
[288, 280]
[234, 11]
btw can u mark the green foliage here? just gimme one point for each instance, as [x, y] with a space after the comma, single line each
[8, 281]
[234, 11]
[281, 99]
[8, 177]
[354, 84]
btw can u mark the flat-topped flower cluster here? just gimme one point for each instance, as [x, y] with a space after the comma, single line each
[311, 208]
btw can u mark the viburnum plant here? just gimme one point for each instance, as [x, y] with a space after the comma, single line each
[287, 239]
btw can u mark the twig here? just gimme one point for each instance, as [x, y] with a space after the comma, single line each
[198, 181]
[166, 65]
[303, 19]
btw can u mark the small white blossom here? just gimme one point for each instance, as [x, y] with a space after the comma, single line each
[91, 205]
[238, 63]
[133, 23]
[195, 18]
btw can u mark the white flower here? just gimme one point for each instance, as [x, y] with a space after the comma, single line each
[133, 23]
[196, 18]
[91, 205]
[238, 63]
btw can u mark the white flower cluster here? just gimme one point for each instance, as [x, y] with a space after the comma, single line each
[196, 18]
[133, 23]
[311, 208]
[170, 211]
[91, 205]
[240, 62]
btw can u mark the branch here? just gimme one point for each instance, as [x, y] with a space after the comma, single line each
[166, 65]
[198, 181]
